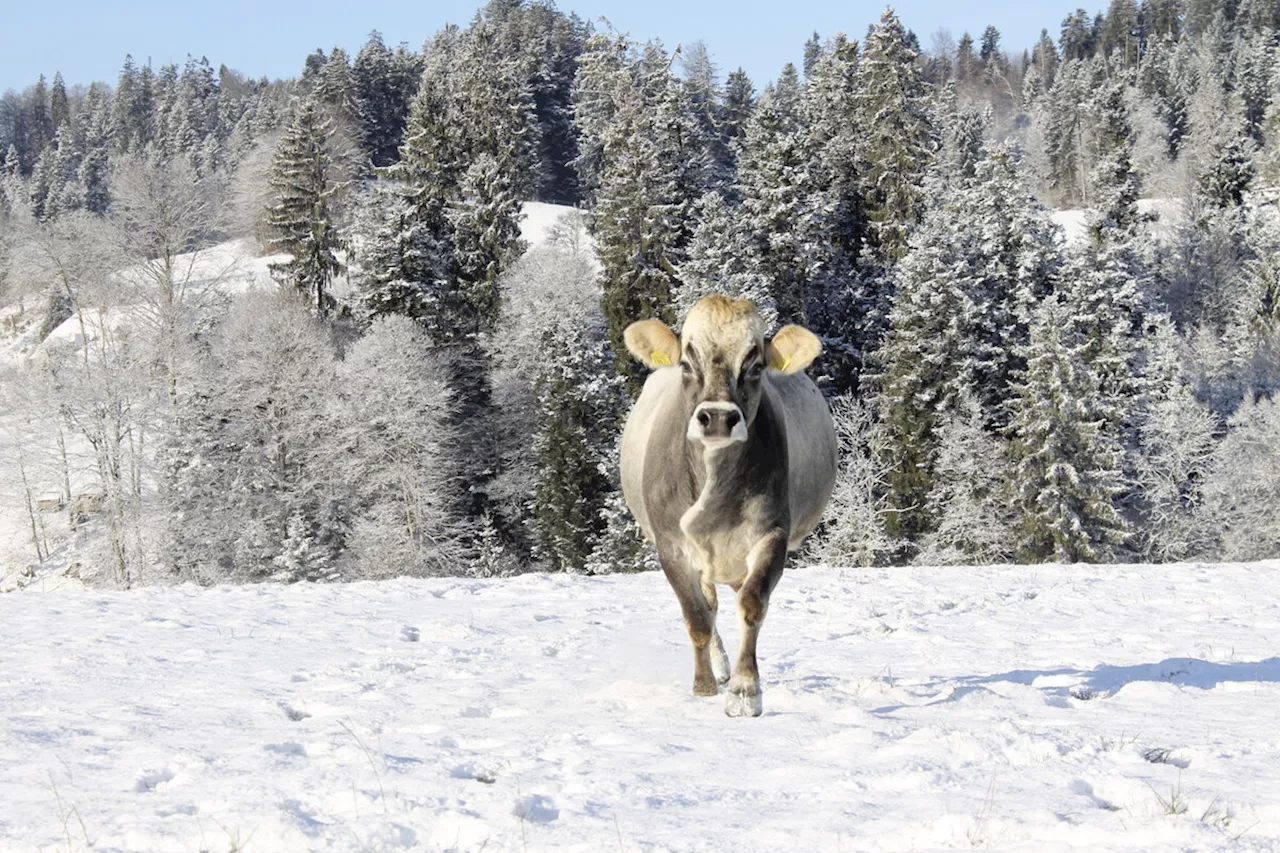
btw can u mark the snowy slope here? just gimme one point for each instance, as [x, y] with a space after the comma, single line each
[1165, 212]
[227, 269]
[1031, 708]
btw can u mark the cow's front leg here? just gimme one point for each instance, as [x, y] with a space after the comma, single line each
[698, 618]
[719, 658]
[764, 568]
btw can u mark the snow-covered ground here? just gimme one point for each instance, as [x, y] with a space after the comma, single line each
[1165, 213]
[1033, 708]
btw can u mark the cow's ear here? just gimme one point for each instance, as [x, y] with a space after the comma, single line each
[793, 349]
[653, 343]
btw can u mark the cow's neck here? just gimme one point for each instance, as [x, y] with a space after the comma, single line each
[717, 476]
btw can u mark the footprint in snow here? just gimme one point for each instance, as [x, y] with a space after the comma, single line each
[149, 780]
[537, 808]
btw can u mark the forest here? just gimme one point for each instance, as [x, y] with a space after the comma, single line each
[1047, 283]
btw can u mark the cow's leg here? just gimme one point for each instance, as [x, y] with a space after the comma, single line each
[698, 618]
[719, 659]
[764, 568]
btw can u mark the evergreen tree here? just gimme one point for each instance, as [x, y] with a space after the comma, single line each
[739, 101]
[305, 177]
[1119, 35]
[974, 521]
[639, 223]
[59, 107]
[994, 63]
[812, 52]
[775, 183]
[384, 83]
[719, 261]
[486, 239]
[967, 64]
[1067, 471]
[959, 321]
[898, 138]
[1161, 19]
[574, 415]
[399, 267]
[335, 88]
[93, 176]
[134, 106]
[39, 123]
[845, 305]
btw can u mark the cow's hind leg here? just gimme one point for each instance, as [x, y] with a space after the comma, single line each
[719, 658]
[764, 568]
[698, 618]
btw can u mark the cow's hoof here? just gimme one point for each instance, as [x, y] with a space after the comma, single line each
[739, 703]
[709, 687]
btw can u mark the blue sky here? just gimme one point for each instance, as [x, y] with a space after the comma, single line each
[87, 39]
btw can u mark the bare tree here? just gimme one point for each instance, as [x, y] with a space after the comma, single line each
[164, 215]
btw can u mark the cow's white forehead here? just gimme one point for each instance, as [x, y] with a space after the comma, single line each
[718, 324]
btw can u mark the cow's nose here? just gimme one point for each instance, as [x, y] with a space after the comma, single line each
[717, 422]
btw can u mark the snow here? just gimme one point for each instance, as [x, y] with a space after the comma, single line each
[1165, 213]
[1036, 708]
[538, 216]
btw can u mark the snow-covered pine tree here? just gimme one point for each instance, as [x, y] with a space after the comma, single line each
[739, 102]
[1241, 491]
[637, 226]
[845, 307]
[55, 182]
[974, 522]
[397, 267]
[718, 261]
[93, 176]
[1065, 130]
[1109, 281]
[854, 531]
[485, 225]
[961, 318]
[384, 83]
[775, 186]
[1177, 440]
[897, 138]
[306, 178]
[576, 413]
[1067, 473]
[335, 88]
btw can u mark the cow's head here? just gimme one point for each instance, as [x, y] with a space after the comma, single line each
[722, 355]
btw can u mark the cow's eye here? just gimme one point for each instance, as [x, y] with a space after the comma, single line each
[755, 371]
[686, 368]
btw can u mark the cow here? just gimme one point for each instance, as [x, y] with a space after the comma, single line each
[728, 459]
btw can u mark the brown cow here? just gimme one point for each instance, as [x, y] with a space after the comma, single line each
[728, 460]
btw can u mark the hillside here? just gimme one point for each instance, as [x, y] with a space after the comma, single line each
[225, 270]
[1034, 708]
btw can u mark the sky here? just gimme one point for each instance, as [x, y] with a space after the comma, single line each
[87, 39]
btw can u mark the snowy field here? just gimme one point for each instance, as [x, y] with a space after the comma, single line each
[1033, 708]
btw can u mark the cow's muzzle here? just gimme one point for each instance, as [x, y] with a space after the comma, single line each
[716, 424]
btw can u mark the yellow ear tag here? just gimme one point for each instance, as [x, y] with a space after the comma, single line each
[660, 358]
[786, 362]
